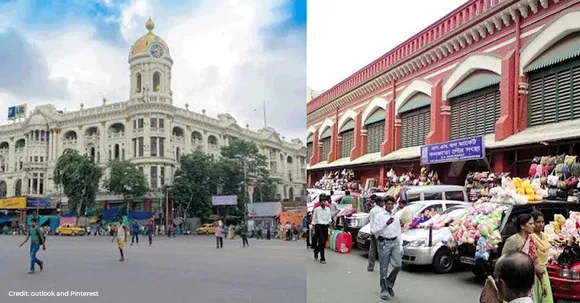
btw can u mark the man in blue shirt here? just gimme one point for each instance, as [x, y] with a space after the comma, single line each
[36, 239]
[134, 231]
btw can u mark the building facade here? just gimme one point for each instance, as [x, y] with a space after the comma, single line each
[146, 129]
[505, 70]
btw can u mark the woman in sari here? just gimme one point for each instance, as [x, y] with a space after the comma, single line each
[542, 288]
[524, 241]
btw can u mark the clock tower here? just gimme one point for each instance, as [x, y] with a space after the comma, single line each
[150, 65]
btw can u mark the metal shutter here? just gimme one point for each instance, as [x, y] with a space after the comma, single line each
[415, 126]
[553, 94]
[325, 148]
[475, 114]
[347, 143]
[375, 136]
[309, 148]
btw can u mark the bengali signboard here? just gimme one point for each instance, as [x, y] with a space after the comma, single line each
[13, 203]
[452, 151]
[224, 200]
[16, 112]
[37, 203]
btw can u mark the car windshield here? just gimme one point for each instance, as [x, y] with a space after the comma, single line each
[455, 212]
[416, 207]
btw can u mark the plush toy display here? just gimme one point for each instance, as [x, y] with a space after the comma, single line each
[480, 225]
[563, 233]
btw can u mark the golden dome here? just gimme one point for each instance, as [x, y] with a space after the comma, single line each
[142, 44]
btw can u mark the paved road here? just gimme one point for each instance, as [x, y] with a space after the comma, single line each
[344, 279]
[182, 269]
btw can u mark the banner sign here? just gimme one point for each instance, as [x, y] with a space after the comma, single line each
[452, 151]
[13, 203]
[16, 112]
[224, 200]
[37, 202]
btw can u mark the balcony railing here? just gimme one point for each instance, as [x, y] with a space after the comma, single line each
[213, 146]
[19, 150]
[464, 14]
[4, 151]
[92, 139]
[69, 142]
[177, 139]
[119, 135]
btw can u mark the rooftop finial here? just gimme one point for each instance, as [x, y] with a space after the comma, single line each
[149, 25]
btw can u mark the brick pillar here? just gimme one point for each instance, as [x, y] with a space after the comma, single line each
[388, 145]
[147, 206]
[363, 146]
[334, 144]
[504, 125]
[397, 137]
[523, 98]
[315, 149]
[500, 163]
[445, 120]
[356, 151]
[339, 148]
[436, 122]
[309, 180]
[382, 176]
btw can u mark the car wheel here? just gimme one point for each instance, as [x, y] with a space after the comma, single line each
[443, 261]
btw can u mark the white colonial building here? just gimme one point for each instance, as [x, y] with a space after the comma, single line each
[146, 129]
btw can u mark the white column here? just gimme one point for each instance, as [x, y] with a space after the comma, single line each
[104, 154]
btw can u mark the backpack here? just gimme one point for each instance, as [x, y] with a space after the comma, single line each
[43, 238]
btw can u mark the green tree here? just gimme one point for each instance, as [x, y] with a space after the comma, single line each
[193, 185]
[78, 176]
[242, 155]
[126, 180]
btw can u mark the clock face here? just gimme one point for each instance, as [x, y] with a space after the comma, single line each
[156, 51]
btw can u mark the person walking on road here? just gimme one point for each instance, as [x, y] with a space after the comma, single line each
[150, 230]
[268, 231]
[121, 235]
[322, 218]
[379, 206]
[134, 231]
[387, 229]
[219, 236]
[36, 238]
[244, 234]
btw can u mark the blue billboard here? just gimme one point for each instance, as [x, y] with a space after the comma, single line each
[15, 112]
[452, 151]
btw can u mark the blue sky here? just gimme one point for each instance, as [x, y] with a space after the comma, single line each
[75, 51]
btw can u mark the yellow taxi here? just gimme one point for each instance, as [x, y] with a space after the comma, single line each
[206, 229]
[70, 230]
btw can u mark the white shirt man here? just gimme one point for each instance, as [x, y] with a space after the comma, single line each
[387, 229]
[321, 215]
[321, 218]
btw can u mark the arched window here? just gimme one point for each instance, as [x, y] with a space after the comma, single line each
[139, 83]
[18, 188]
[156, 82]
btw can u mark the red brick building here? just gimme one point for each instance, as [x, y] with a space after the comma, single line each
[507, 70]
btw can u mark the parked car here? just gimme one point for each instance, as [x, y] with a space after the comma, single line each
[363, 237]
[205, 229]
[70, 230]
[423, 246]
[482, 268]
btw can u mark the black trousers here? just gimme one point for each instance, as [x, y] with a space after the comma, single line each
[135, 236]
[321, 237]
[307, 237]
[245, 240]
[219, 242]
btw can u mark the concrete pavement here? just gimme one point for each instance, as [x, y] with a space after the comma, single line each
[344, 278]
[181, 269]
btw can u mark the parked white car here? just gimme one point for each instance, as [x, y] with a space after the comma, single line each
[423, 246]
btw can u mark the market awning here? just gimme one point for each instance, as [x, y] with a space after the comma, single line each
[541, 133]
[403, 154]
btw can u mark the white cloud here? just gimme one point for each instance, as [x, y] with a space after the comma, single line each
[222, 60]
[344, 36]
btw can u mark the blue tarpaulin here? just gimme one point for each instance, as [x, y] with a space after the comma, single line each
[113, 214]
